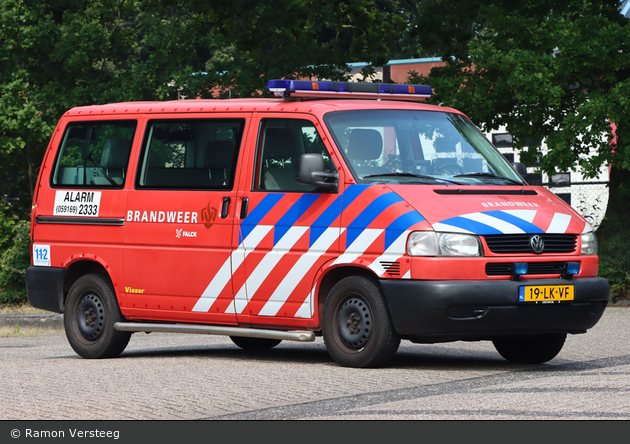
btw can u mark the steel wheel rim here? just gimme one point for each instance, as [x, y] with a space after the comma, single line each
[91, 316]
[354, 323]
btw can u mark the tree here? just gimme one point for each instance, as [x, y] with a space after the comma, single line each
[259, 41]
[547, 70]
[558, 71]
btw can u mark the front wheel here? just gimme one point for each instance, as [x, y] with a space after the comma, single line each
[357, 329]
[533, 350]
[89, 318]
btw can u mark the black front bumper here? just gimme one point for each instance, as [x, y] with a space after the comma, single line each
[438, 311]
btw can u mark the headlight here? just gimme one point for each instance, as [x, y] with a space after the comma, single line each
[430, 243]
[589, 243]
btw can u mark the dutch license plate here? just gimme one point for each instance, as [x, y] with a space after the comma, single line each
[545, 293]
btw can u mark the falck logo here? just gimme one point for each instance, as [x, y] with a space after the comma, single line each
[537, 244]
[179, 233]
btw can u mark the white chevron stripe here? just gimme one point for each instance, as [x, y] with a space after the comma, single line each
[212, 291]
[271, 259]
[526, 215]
[299, 270]
[498, 224]
[223, 277]
[358, 247]
[394, 252]
[559, 223]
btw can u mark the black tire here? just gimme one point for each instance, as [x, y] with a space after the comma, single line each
[532, 350]
[247, 343]
[91, 312]
[357, 328]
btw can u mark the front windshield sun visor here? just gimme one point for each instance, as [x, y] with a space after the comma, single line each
[418, 146]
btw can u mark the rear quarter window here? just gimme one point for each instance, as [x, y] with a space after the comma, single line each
[94, 155]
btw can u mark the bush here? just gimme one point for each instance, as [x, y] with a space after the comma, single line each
[14, 261]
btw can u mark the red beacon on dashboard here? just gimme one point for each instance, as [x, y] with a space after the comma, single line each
[337, 209]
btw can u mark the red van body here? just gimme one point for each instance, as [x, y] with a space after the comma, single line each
[365, 221]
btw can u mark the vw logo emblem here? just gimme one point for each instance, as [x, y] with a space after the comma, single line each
[537, 243]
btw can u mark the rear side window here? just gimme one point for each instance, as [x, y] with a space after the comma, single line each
[94, 155]
[190, 154]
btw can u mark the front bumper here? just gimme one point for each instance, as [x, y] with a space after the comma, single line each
[439, 311]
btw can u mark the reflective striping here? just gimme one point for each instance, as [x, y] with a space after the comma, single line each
[291, 217]
[522, 219]
[559, 223]
[326, 219]
[256, 215]
[498, 224]
[367, 216]
[270, 260]
[526, 215]
[358, 247]
[504, 222]
[298, 271]
[465, 225]
[212, 291]
[393, 253]
[396, 228]
[223, 277]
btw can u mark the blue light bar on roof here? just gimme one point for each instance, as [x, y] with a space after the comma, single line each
[361, 90]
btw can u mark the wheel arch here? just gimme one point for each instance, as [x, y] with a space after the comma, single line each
[79, 269]
[334, 275]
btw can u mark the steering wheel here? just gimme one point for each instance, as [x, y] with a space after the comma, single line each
[452, 169]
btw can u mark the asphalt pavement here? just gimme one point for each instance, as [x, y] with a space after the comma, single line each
[55, 320]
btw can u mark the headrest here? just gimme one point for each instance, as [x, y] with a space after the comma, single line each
[282, 143]
[219, 154]
[115, 153]
[365, 144]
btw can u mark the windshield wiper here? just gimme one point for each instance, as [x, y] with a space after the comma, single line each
[489, 175]
[417, 176]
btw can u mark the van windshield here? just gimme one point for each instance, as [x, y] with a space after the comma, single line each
[408, 146]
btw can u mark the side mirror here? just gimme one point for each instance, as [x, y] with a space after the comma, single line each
[310, 171]
[520, 169]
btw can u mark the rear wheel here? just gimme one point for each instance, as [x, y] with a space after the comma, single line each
[89, 318]
[533, 350]
[255, 343]
[357, 329]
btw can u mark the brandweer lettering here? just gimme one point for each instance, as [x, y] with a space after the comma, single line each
[509, 204]
[171, 217]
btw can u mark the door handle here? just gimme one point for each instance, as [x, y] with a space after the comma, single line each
[224, 209]
[244, 206]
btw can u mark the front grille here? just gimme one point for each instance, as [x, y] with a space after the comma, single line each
[519, 243]
[507, 269]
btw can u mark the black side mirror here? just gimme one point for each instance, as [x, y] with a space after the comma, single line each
[310, 171]
[520, 169]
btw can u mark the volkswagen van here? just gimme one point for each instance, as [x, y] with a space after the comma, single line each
[348, 211]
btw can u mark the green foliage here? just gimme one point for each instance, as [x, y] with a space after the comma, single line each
[14, 261]
[549, 70]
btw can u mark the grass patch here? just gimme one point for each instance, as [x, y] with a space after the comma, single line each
[11, 309]
[27, 332]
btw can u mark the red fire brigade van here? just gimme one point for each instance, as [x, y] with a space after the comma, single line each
[343, 210]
